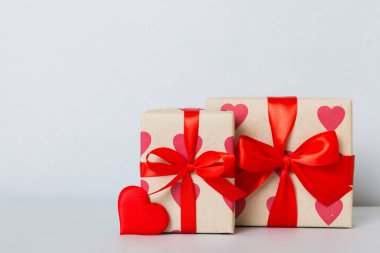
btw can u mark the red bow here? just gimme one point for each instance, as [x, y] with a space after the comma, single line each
[325, 174]
[211, 166]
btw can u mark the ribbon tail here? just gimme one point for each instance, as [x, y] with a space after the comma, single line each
[327, 183]
[188, 205]
[250, 182]
[283, 212]
[171, 183]
[225, 188]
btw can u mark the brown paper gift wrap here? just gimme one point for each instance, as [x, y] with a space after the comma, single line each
[313, 116]
[164, 128]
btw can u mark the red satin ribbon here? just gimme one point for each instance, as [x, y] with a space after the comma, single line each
[211, 166]
[325, 174]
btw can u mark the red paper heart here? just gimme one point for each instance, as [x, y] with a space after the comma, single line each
[179, 144]
[229, 145]
[138, 216]
[329, 213]
[175, 190]
[331, 117]
[240, 112]
[145, 140]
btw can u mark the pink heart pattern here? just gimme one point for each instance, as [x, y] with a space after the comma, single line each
[269, 203]
[331, 117]
[329, 213]
[145, 140]
[240, 112]
[175, 190]
[229, 203]
[179, 144]
[144, 184]
[229, 145]
[239, 205]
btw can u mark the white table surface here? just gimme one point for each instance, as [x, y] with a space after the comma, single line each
[43, 226]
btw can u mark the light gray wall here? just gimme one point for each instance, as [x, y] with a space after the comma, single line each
[76, 74]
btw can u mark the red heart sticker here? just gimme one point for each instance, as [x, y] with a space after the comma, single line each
[144, 184]
[238, 205]
[269, 203]
[329, 213]
[145, 140]
[229, 145]
[331, 117]
[175, 190]
[240, 112]
[179, 144]
[138, 215]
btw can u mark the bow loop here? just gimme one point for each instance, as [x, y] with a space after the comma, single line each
[174, 161]
[209, 165]
[320, 150]
[256, 156]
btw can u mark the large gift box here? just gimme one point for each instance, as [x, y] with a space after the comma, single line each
[188, 166]
[295, 160]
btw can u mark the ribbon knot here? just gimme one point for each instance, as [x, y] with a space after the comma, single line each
[189, 168]
[287, 163]
[324, 173]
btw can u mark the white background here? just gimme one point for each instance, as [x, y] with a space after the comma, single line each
[76, 74]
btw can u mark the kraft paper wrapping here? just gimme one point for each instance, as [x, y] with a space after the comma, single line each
[164, 128]
[313, 116]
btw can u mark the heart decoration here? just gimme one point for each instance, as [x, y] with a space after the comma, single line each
[229, 203]
[239, 205]
[144, 184]
[331, 117]
[145, 140]
[138, 215]
[270, 201]
[175, 190]
[179, 144]
[240, 112]
[329, 213]
[229, 145]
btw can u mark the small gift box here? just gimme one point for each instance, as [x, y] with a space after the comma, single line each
[294, 159]
[188, 166]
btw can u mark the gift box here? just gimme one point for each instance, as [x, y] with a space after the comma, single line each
[188, 166]
[295, 160]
